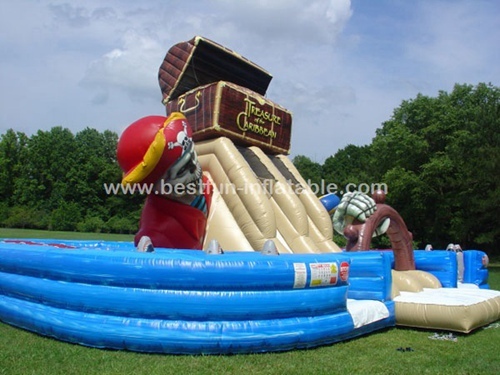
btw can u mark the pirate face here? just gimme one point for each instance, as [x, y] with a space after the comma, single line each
[184, 176]
[185, 170]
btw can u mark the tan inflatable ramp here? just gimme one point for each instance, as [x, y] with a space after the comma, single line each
[300, 217]
[254, 202]
[421, 302]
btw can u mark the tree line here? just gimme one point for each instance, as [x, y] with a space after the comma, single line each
[439, 157]
[54, 180]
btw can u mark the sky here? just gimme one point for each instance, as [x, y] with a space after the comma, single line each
[340, 66]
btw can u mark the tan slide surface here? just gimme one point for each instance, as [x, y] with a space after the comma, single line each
[258, 198]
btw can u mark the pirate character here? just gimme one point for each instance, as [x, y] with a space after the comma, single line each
[159, 153]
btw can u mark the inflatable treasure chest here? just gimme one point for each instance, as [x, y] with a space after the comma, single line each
[221, 93]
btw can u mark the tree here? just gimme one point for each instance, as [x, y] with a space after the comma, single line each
[309, 170]
[43, 181]
[348, 165]
[12, 149]
[440, 158]
[94, 165]
[55, 180]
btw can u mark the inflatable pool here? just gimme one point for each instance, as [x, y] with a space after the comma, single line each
[108, 295]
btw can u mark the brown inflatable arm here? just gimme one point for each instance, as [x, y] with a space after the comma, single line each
[359, 236]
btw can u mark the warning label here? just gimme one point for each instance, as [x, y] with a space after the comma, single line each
[344, 271]
[323, 274]
[300, 275]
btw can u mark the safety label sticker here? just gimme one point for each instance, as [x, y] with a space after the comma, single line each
[323, 274]
[300, 275]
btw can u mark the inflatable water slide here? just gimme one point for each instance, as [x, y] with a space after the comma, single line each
[279, 283]
[282, 208]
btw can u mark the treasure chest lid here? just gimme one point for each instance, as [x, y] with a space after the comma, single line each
[201, 61]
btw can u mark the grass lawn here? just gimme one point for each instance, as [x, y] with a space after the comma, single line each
[33, 233]
[23, 352]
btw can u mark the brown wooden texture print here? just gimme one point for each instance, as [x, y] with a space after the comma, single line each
[226, 109]
[172, 68]
[200, 61]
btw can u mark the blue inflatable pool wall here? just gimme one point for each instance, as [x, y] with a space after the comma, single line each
[108, 295]
[443, 265]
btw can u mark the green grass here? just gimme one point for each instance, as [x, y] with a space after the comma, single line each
[33, 233]
[23, 352]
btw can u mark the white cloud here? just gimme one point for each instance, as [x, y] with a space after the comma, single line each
[284, 22]
[456, 42]
[341, 67]
[132, 68]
